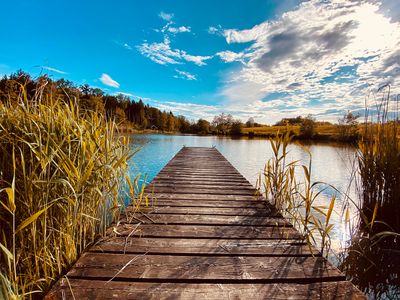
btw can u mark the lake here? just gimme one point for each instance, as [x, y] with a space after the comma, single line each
[331, 163]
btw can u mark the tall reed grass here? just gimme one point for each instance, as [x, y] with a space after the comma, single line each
[379, 166]
[373, 260]
[61, 171]
[289, 187]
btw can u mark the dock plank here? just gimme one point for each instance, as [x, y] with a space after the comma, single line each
[206, 231]
[204, 234]
[203, 246]
[97, 290]
[205, 268]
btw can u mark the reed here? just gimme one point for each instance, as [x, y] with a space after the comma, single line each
[379, 166]
[61, 171]
[372, 259]
[295, 195]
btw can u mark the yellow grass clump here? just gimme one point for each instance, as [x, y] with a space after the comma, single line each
[61, 171]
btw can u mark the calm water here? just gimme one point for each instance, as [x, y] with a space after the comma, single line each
[331, 163]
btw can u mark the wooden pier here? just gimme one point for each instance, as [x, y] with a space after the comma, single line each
[207, 237]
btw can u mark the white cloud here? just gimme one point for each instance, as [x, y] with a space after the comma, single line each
[53, 70]
[125, 94]
[197, 59]
[321, 58]
[229, 56]
[180, 29]
[163, 54]
[107, 80]
[244, 36]
[215, 30]
[184, 75]
[166, 16]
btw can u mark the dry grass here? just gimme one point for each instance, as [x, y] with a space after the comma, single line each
[297, 198]
[327, 130]
[60, 178]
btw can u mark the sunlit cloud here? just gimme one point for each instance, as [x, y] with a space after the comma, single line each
[124, 94]
[184, 75]
[163, 54]
[322, 58]
[179, 29]
[53, 70]
[166, 16]
[107, 80]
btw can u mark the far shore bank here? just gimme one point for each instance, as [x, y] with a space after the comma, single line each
[264, 132]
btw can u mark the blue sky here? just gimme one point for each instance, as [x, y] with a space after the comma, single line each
[261, 59]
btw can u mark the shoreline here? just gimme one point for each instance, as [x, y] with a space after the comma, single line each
[328, 138]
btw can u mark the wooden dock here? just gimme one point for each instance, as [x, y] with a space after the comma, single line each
[208, 237]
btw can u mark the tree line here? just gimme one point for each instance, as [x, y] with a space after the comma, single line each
[121, 108]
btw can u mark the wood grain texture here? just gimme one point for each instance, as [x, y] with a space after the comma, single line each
[205, 234]
[98, 290]
[206, 231]
[203, 246]
[204, 268]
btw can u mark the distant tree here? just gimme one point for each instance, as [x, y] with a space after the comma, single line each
[348, 129]
[250, 122]
[170, 122]
[222, 123]
[203, 126]
[307, 127]
[290, 121]
[236, 128]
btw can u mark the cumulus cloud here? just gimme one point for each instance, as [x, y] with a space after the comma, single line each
[184, 75]
[163, 54]
[53, 70]
[166, 16]
[321, 57]
[230, 56]
[107, 80]
[179, 29]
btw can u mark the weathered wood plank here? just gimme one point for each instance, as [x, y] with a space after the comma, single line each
[200, 185]
[190, 196]
[215, 179]
[205, 231]
[199, 182]
[227, 211]
[98, 290]
[205, 246]
[203, 191]
[205, 268]
[209, 203]
[204, 220]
